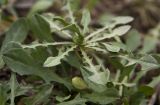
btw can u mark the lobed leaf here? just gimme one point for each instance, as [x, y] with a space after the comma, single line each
[54, 61]
[19, 61]
[116, 32]
[97, 76]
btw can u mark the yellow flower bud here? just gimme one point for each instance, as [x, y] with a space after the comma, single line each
[79, 83]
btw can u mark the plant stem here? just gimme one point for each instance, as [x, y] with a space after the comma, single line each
[12, 85]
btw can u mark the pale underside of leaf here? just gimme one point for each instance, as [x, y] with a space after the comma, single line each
[116, 32]
[54, 61]
[99, 31]
[121, 30]
[123, 19]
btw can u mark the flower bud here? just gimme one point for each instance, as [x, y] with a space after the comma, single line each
[79, 83]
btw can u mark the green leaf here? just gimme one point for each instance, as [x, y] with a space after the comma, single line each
[111, 47]
[97, 76]
[54, 61]
[154, 82]
[76, 101]
[17, 32]
[126, 71]
[148, 91]
[148, 47]
[121, 45]
[137, 98]
[73, 61]
[62, 99]
[95, 87]
[74, 5]
[100, 98]
[19, 61]
[1, 61]
[100, 78]
[147, 62]
[86, 19]
[10, 90]
[42, 95]
[55, 27]
[70, 7]
[64, 22]
[40, 27]
[16, 89]
[41, 5]
[73, 28]
[3, 94]
[133, 40]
